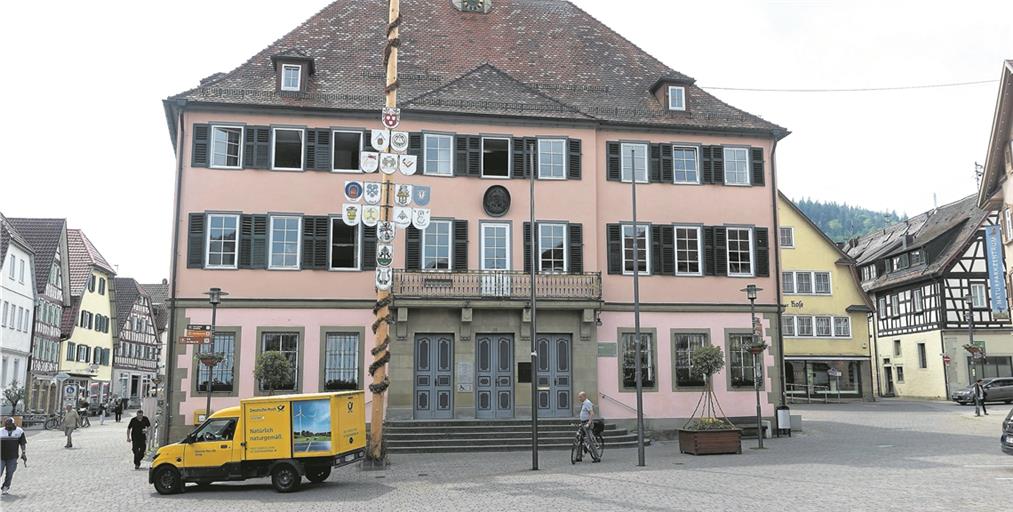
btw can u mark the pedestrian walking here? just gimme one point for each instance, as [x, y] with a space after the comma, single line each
[11, 438]
[70, 421]
[137, 436]
[118, 409]
[102, 406]
[979, 398]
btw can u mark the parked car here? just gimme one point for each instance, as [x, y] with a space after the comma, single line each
[1006, 441]
[997, 389]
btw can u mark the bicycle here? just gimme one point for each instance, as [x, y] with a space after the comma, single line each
[84, 421]
[595, 445]
[53, 421]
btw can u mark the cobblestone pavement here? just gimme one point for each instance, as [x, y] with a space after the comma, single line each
[889, 455]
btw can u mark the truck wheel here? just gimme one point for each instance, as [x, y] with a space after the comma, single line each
[319, 474]
[285, 478]
[167, 480]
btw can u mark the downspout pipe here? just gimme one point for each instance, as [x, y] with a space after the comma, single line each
[777, 267]
[170, 343]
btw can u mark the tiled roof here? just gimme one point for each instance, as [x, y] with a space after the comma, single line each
[159, 293]
[83, 256]
[69, 319]
[963, 216]
[126, 291]
[44, 235]
[563, 56]
[10, 233]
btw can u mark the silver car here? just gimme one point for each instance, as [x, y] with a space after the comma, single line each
[997, 389]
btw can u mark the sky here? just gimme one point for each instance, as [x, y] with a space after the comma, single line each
[85, 136]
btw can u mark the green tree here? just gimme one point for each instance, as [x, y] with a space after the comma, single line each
[14, 394]
[274, 371]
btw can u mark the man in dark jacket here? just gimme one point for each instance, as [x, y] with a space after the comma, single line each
[979, 398]
[137, 436]
[11, 439]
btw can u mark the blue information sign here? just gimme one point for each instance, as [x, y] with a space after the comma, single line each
[996, 271]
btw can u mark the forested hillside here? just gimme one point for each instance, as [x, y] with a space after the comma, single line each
[842, 221]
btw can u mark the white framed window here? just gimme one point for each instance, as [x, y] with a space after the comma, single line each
[291, 77]
[634, 162]
[4, 323]
[918, 298]
[805, 325]
[438, 154]
[495, 248]
[288, 149]
[786, 237]
[642, 234]
[341, 361]
[740, 251]
[686, 164]
[21, 271]
[822, 283]
[787, 282]
[285, 242]
[221, 243]
[736, 166]
[552, 248]
[894, 305]
[346, 147]
[344, 247]
[676, 97]
[227, 147]
[978, 299]
[687, 251]
[823, 327]
[551, 159]
[495, 157]
[288, 344]
[14, 264]
[436, 254]
[803, 283]
[842, 327]
[788, 325]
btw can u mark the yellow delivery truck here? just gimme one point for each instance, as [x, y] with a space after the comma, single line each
[284, 437]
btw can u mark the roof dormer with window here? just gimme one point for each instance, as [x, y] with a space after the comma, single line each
[671, 92]
[292, 70]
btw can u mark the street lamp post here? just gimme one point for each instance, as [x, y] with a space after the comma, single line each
[969, 316]
[534, 316]
[637, 343]
[211, 359]
[756, 349]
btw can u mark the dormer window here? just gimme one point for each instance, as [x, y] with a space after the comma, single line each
[676, 97]
[291, 77]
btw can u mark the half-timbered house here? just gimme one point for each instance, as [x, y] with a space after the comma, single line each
[136, 347]
[925, 275]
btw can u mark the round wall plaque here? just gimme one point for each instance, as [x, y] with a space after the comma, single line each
[496, 201]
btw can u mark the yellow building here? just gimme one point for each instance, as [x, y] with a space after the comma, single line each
[87, 353]
[825, 321]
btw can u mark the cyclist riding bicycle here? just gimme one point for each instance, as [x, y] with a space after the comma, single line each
[586, 433]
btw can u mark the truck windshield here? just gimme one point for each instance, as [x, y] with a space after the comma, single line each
[217, 429]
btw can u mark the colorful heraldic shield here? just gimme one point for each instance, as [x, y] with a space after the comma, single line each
[371, 193]
[370, 214]
[350, 213]
[402, 216]
[421, 194]
[407, 164]
[384, 255]
[388, 163]
[384, 277]
[399, 142]
[421, 218]
[385, 231]
[403, 195]
[391, 117]
[380, 140]
[369, 161]
[353, 191]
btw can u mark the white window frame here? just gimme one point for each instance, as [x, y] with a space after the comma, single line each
[844, 321]
[728, 259]
[918, 300]
[333, 146]
[681, 105]
[270, 243]
[798, 326]
[482, 237]
[425, 154]
[829, 326]
[633, 172]
[330, 246]
[242, 140]
[274, 147]
[830, 283]
[14, 263]
[784, 283]
[699, 249]
[541, 175]
[207, 242]
[566, 249]
[696, 171]
[298, 80]
[790, 321]
[791, 235]
[647, 247]
[510, 157]
[450, 247]
[975, 303]
[727, 150]
[21, 271]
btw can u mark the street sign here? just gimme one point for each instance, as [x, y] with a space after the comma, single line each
[62, 376]
[947, 359]
[198, 327]
[196, 334]
[194, 340]
[834, 372]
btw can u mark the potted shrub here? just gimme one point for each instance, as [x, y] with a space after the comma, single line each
[708, 431]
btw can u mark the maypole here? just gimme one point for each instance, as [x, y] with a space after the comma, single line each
[381, 310]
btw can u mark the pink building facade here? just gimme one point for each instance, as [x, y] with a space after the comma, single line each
[264, 153]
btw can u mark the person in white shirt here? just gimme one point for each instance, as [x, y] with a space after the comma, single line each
[586, 414]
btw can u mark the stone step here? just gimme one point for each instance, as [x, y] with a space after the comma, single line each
[506, 447]
[467, 442]
[472, 429]
[415, 436]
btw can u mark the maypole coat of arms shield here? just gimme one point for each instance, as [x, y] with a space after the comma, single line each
[384, 255]
[391, 117]
[421, 218]
[403, 195]
[388, 163]
[407, 166]
[402, 216]
[384, 277]
[385, 231]
[369, 161]
[380, 140]
[399, 142]
[350, 213]
[371, 194]
[370, 214]
[420, 195]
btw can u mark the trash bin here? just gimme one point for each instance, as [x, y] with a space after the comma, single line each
[783, 420]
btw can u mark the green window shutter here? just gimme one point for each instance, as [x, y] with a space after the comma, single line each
[573, 163]
[613, 236]
[253, 241]
[368, 247]
[654, 164]
[666, 163]
[575, 240]
[708, 251]
[527, 247]
[414, 146]
[520, 158]
[721, 251]
[761, 252]
[257, 148]
[656, 258]
[667, 249]
[756, 159]
[706, 165]
[195, 241]
[200, 152]
[318, 149]
[718, 163]
[412, 248]
[461, 155]
[460, 245]
[245, 241]
[613, 163]
[314, 242]
[475, 156]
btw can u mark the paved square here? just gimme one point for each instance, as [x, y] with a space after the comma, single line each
[889, 455]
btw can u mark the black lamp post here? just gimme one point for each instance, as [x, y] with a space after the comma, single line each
[756, 349]
[638, 342]
[211, 359]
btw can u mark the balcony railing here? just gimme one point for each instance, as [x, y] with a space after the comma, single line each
[474, 284]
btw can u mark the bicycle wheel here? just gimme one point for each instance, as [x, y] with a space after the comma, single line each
[575, 451]
[599, 443]
[50, 423]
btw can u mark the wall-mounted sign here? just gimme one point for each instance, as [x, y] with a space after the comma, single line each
[996, 272]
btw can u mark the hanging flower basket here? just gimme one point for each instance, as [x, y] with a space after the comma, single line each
[708, 431]
[210, 359]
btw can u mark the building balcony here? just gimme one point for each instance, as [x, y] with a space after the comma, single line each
[501, 285]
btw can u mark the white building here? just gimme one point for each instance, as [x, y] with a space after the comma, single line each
[17, 305]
